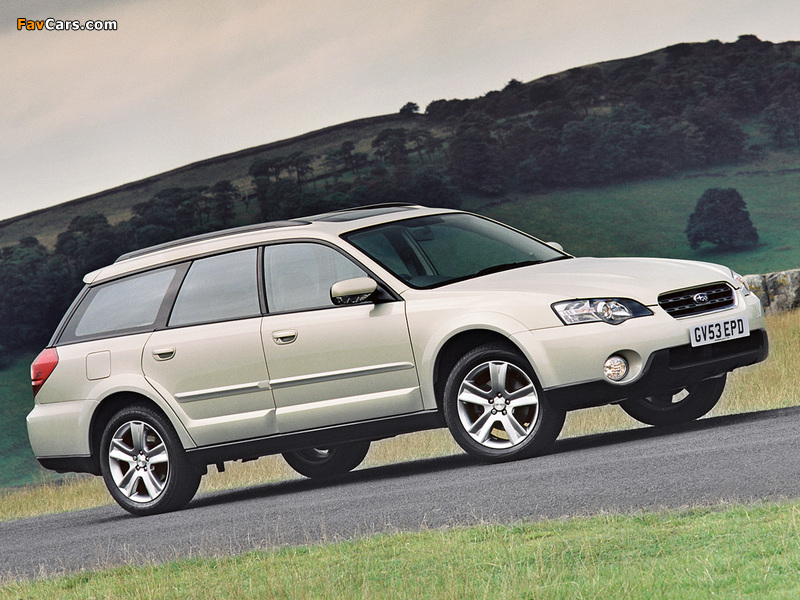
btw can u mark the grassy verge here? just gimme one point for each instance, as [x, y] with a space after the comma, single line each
[771, 384]
[737, 552]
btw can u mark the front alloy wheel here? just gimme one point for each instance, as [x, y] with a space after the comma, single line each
[494, 409]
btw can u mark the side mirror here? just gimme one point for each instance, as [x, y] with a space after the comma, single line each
[353, 291]
[555, 245]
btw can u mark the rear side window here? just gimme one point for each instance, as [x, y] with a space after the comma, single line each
[219, 288]
[128, 305]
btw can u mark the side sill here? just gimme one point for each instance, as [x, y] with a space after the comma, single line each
[372, 430]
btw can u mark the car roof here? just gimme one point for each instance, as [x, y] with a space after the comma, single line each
[327, 225]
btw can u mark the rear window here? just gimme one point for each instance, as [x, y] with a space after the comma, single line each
[128, 305]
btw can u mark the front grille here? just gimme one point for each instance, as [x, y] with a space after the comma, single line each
[698, 300]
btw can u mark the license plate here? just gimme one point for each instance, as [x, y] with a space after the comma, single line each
[719, 331]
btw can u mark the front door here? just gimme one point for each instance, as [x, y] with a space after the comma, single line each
[331, 364]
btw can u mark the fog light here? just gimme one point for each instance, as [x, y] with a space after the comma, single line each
[615, 368]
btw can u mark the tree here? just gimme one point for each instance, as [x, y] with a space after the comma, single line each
[723, 138]
[390, 146]
[89, 243]
[300, 164]
[223, 197]
[270, 167]
[781, 120]
[424, 141]
[409, 109]
[475, 156]
[721, 218]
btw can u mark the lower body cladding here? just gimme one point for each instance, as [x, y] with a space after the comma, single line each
[667, 370]
[370, 430]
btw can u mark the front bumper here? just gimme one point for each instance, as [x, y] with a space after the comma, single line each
[667, 370]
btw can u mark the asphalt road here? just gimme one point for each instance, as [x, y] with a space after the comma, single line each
[726, 459]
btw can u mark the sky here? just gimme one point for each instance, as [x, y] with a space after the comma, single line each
[183, 80]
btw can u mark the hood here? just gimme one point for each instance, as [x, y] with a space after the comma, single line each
[641, 279]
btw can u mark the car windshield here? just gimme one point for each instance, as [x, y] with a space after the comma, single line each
[428, 252]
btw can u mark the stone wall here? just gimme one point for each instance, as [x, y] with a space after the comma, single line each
[778, 292]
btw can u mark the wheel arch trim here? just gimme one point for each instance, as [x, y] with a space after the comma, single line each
[124, 391]
[475, 328]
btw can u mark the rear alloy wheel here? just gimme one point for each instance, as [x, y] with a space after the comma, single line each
[330, 461]
[680, 406]
[495, 410]
[143, 463]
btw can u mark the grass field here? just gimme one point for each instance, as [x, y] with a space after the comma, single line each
[649, 218]
[18, 463]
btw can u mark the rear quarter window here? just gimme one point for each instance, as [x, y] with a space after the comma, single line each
[129, 305]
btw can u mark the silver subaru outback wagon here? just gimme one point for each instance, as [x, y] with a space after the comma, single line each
[314, 337]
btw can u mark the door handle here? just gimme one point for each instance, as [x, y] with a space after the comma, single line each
[286, 336]
[163, 353]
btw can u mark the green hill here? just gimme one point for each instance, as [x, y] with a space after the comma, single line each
[648, 218]
[682, 109]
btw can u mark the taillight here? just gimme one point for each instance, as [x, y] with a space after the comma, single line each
[42, 367]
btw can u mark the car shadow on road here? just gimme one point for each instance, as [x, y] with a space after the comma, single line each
[464, 461]
[367, 474]
[414, 468]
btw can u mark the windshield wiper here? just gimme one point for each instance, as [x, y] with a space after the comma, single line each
[565, 257]
[506, 267]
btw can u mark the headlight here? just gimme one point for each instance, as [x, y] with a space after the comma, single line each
[742, 281]
[608, 310]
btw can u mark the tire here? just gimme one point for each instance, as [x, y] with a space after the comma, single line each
[494, 407]
[143, 463]
[679, 407]
[331, 461]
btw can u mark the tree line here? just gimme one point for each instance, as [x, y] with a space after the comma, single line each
[679, 108]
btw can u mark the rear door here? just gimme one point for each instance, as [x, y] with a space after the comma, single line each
[332, 364]
[209, 362]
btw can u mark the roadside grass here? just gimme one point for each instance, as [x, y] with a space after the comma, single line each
[750, 551]
[771, 384]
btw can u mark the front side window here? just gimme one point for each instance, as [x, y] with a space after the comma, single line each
[299, 276]
[218, 288]
[431, 251]
[124, 306]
